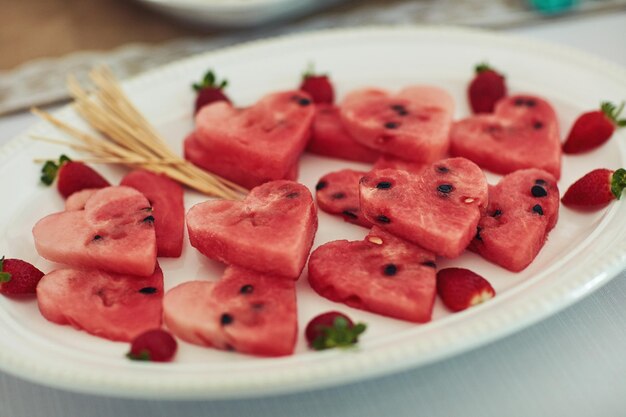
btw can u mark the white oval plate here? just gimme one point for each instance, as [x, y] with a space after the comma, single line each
[584, 250]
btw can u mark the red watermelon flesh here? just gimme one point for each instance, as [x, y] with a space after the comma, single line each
[523, 132]
[382, 274]
[256, 144]
[113, 306]
[77, 200]
[271, 231]
[390, 162]
[114, 233]
[438, 210]
[338, 193]
[244, 311]
[412, 124]
[166, 198]
[522, 209]
[330, 138]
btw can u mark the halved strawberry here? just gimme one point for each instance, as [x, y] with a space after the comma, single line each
[18, 277]
[594, 128]
[71, 176]
[486, 89]
[461, 288]
[155, 345]
[318, 86]
[596, 189]
[209, 90]
[332, 329]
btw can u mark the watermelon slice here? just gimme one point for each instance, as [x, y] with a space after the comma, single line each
[114, 233]
[77, 200]
[523, 132]
[390, 162]
[330, 138]
[522, 209]
[244, 311]
[271, 231]
[166, 198]
[382, 274]
[253, 145]
[113, 306]
[438, 210]
[338, 193]
[412, 124]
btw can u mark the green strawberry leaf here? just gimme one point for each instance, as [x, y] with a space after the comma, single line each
[482, 67]
[210, 81]
[4, 276]
[613, 112]
[618, 182]
[340, 335]
[50, 169]
[144, 355]
[310, 72]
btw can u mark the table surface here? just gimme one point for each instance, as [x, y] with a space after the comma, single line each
[572, 364]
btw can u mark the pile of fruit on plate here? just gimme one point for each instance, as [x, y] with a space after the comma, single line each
[426, 197]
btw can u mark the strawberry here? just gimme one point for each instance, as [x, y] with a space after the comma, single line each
[18, 277]
[154, 345]
[209, 90]
[72, 176]
[461, 288]
[332, 329]
[487, 87]
[593, 128]
[596, 189]
[318, 86]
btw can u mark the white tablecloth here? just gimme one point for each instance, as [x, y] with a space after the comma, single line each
[572, 364]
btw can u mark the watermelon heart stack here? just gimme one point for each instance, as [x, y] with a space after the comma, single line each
[337, 193]
[113, 233]
[382, 274]
[522, 133]
[271, 231]
[523, 208]
[244, 311]
[438, 210]
[114, 306]
[412, 124]
[253, 145]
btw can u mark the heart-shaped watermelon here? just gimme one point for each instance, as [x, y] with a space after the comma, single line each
[114, 233]
[253, 145]
[113, 306]
[438, 210]
[244, 311]
[338, 193]
[382, 274]
[523, 208]
[271, 231]
[330, 138]
[166, 198]
[523, 132]
[412, 124]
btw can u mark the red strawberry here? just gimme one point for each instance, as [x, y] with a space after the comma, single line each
[332, 329]
[593, 128]
[154, 345]
[18, 277]
[72, 176]
[461, 288]
[318, 86]
[209, 90]
[596, 189]
[487, 87]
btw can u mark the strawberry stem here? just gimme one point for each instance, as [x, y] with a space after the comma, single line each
[482, 67]
[4, 276]
[210, 81]
[618, 182]
[340, 334]
[613, 112]
[51, 168]
[144, 355]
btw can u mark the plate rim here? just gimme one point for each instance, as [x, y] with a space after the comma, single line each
[550, 302]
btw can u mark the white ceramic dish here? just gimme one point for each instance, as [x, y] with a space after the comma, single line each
[584, 250]
[236, 13]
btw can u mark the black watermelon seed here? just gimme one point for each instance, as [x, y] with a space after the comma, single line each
[445, 188]
[537, 125]
[246, 289]
[304, 102]
[430, 264]
[537, 209]
[148, 290]
[519, 101]
[538, 191]
[443, 169]
[390, 270]
[350, 213]
[400, 109]
[530, 103]
[478, 230]
[226, 319]
[338, 196]
[383, 219]
[540, 182]
[496, 213]
[392, 125]
[321, 185]
[97, 237]
[292, 195]
[383, 185]
[149, 219]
